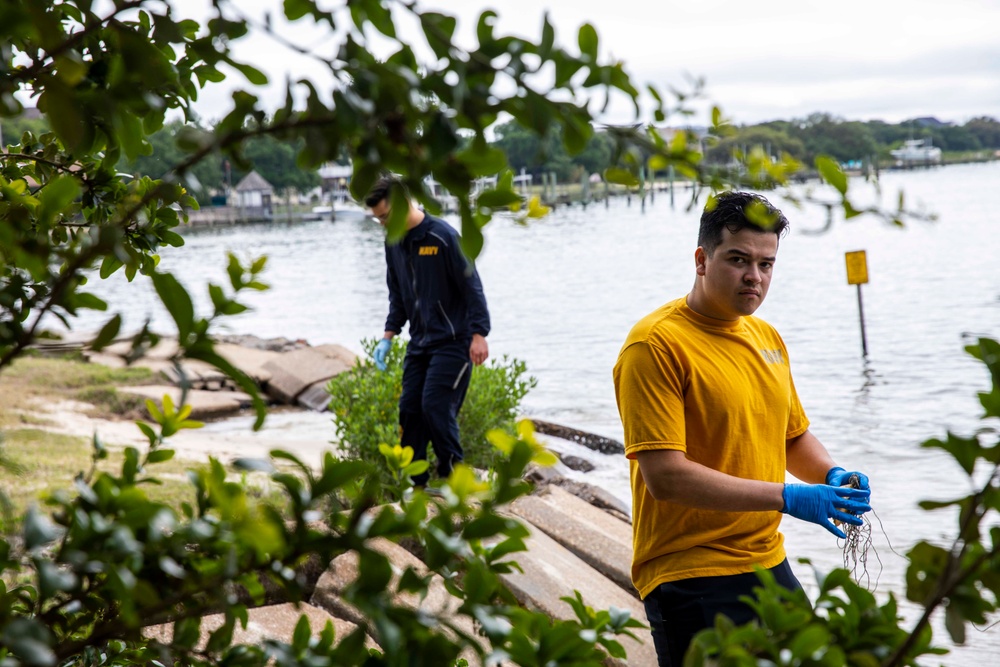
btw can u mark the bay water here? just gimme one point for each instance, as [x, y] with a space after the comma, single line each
[564, 292]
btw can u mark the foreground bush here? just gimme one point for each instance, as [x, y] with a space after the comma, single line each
[847, 624]
[82, 578]
[365, 406]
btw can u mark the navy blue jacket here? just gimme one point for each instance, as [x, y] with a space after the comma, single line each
[433, 286]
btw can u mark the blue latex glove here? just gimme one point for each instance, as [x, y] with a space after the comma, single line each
[381, 350]
[819, 503]
[840, 477]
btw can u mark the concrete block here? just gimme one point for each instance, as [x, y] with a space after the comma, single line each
[166, 349]
[599, 539]
[551, 571]
[276, 622]
[196, 372]
[316, 397]
[249, 360]
[596, 496]
[109, 360]
[204, 404]
[344, 570]
[334, 351]
[293, 372]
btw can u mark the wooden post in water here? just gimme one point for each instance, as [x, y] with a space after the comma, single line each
[642, 188]
[670, 175]
[857, 274]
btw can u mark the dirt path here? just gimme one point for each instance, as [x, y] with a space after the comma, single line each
[303, 433]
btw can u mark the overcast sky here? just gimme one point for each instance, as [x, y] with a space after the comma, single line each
[773, 59]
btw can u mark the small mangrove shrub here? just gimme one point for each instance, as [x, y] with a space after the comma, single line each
[365, 405]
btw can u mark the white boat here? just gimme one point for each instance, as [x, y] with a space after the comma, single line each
[917, 151]
[348, 209]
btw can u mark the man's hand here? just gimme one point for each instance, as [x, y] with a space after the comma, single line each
[381, 350]
[840, 477]
[819, 503]
[479, 350]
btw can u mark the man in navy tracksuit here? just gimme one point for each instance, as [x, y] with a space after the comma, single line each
[432, 286]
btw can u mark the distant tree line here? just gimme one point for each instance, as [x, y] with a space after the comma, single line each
[824, 134]
[272, 158]
[803, 139]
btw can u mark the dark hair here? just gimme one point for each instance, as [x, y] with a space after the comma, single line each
[383, 189]
[735, 211]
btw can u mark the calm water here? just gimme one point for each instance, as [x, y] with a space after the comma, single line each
[564, 292]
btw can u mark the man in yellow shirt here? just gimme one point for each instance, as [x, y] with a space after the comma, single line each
[712, 422]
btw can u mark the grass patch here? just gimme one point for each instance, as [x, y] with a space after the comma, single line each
[70, 377]
[108, 401]
[70, 372]
[36, 463]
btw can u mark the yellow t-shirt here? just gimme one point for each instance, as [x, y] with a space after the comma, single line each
[723, 393]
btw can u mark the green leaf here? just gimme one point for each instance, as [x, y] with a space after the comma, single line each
[70, 68]
[110, 264]
[296, 9]
[53, 579]
[253, 75]
[835, 579]
[38, 529]
[107, 333]
[400, 208]
[148, 431]
[337, 474]
[374, 571]
[29, 641]
[965, 451]
[809, 640]
[831, 173]
[439, 30]
[483, 159]
[301, 635]
[131, 135]
[498, 198]
[381, 18]
[416, 468]
[621, 177]
[576, 134]
[187, 631]
[484, 526]
[56, 197]
[587, 39]
[160, 455]
[88, 300]
[548, 37]
[955, 623]
[507, 547]
[472, 238]
[177, 301]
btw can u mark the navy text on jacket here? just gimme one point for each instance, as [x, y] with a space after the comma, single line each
[433, 286]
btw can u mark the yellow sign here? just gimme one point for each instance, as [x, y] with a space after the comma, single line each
[857, 267]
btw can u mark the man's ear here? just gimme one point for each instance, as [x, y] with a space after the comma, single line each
[700, 258]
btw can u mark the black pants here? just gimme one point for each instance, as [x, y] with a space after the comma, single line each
[434, 384]
[678, 610]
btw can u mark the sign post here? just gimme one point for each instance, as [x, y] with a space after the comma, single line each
[857, 274]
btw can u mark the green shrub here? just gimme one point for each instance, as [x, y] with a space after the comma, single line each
[365, 406]
[108, 400]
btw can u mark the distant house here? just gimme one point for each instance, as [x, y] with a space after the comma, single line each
[335, 180]
[253, 196]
